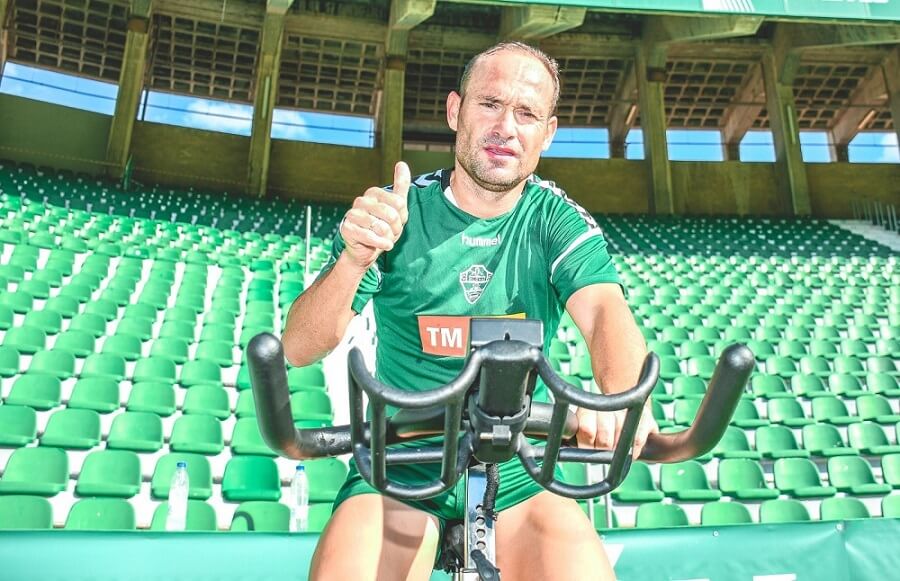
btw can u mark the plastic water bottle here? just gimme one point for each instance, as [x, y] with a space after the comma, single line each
[176, 518]
[299, 500]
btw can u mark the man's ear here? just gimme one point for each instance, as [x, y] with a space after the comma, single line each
[454, 100]
[552, 124]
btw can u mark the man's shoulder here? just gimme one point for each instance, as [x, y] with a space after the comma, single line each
[555, 199]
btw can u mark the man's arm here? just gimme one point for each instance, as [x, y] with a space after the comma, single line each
[319, 317]
[617, 351]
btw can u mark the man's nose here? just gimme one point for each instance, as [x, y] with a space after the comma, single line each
[506, 123]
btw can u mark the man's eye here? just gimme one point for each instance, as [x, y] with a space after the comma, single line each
[489, 105]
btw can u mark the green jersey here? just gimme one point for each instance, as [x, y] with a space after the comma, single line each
[449, 266]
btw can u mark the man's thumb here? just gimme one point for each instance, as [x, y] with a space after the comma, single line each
[401, 178]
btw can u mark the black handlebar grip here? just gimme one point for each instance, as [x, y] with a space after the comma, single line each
[268, 378]
[722, 396]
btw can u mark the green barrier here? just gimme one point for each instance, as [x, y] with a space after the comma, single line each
[831, 9]
[861, 550]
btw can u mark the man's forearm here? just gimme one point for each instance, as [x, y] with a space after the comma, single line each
[617, 348]
[319, 317]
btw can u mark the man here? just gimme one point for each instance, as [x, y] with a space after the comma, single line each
[485, 238]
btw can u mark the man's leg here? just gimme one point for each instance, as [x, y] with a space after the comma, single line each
[373, 537]
[548, 537]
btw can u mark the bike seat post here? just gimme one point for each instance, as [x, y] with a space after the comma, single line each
[479, 527]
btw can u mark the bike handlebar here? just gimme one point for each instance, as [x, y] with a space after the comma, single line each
[421, 418]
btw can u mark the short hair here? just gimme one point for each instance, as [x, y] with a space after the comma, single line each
[549, 63]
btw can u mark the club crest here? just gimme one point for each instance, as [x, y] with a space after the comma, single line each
[473, 281]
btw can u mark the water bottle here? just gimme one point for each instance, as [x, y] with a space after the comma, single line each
[299, 500]
[176, 518]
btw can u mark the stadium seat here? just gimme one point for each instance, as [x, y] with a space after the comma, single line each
[37, 390]
[201, 516]
[18, 425]
[261, 516]
[50, 322]
[26, 340]
[788, 412]
[876, 408]
[686, 481]
[311, 405]
[247, 439]
[853, 474]
[870, 438]
[734, 444]
[35, 471]
[743, 478]
[207, 400]
[799, 477]
[25, 512]
[246, 406]
[326, 476]
[638, 486]
[825, 440]
[306, 378]
[747, 416]
[832, 410]
[890, 469]
[128, 347]
[136, 431]
[782, 510]
[72, 429]
[778, 442]
[155, 397]
[201, 434]
[724, 513]
[110, 473]
[9, 361]
[105, 365]
[199, 474]
[251, 478]
[100, 394]
[843, 508]
[658, 514]
[890, 506]
[101, 514]
[154, 369]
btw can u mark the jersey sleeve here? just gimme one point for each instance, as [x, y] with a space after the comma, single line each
[578, 250]
[371, 281]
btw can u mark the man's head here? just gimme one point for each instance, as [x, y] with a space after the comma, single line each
[503, 114]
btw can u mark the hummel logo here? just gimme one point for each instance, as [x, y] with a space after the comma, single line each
[481, 242]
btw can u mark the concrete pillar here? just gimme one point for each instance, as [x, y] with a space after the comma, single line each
[789, 169]
[842, 152]
[617, 148]
[891, 70]
[733, 151]
[131, 84]
[650, 74]
[391, 119]
[4, 35]
[265, 94]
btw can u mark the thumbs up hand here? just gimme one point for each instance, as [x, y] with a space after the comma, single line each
[374, 223]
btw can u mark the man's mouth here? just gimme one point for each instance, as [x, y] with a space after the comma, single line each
[497, 151]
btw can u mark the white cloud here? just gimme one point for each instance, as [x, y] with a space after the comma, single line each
[219, 116]
[290, 125]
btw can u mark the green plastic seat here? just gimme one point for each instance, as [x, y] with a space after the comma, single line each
[135, 326]
[201, 434]
[100, 394]
[50, 322]
[183, 314]
[199, 475]
[55, 362]
[783, 510]
[78, 343]
[832, 410]
[218, 352]
[19, 301]
[92, 324]
[778, 442]
[9, 361]
[110, 473]
[306, 378]
[37, 390]
[638, 486]
[38, 471]
[104, 308]
[853, 474]
[657, 515]
[788, 412]
[769, 387]
[747, 416]
[201, 516]
[876, 408]
[26, 340]
[154, 369]
[200, 372]
[809, 386]
[136, 431]
[97, 514]
[246, 406]
[825, 440]
[799, 477]
[20, 512]
[18, 425]
[880, 383]
[326, 476]
[815, 365]
[171, 348]
[153, 397]
[724, 513]
[743, 478]
[845, 385]
[890, 506]
[688, 387]
[177, 329]
[870, 438]
[843, 508]
[734, 444]
[890, 469]
[311, 405]
[247, 439]
[251, 478]
[207, 399]
[72, 429]
[686, 411]
[128, 347]
[686, 481]
[104, 365]
[261, 516]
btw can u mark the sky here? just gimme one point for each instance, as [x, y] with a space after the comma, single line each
[574, 142]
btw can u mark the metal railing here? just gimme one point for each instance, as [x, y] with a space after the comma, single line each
[877, 213]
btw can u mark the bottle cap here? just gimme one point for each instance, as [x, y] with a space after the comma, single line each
[301, 467]
[181, 464]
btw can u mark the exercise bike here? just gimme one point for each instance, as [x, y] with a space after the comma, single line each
[486, 417]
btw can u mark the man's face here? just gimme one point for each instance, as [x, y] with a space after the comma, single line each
[504, 121]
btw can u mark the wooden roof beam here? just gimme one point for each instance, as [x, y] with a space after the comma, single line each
[739, 118]
[669, 29]
[870, 90]
[539, 21]
[623, 112]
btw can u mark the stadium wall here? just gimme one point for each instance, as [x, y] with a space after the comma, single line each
[62, 137]
[52, 135]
